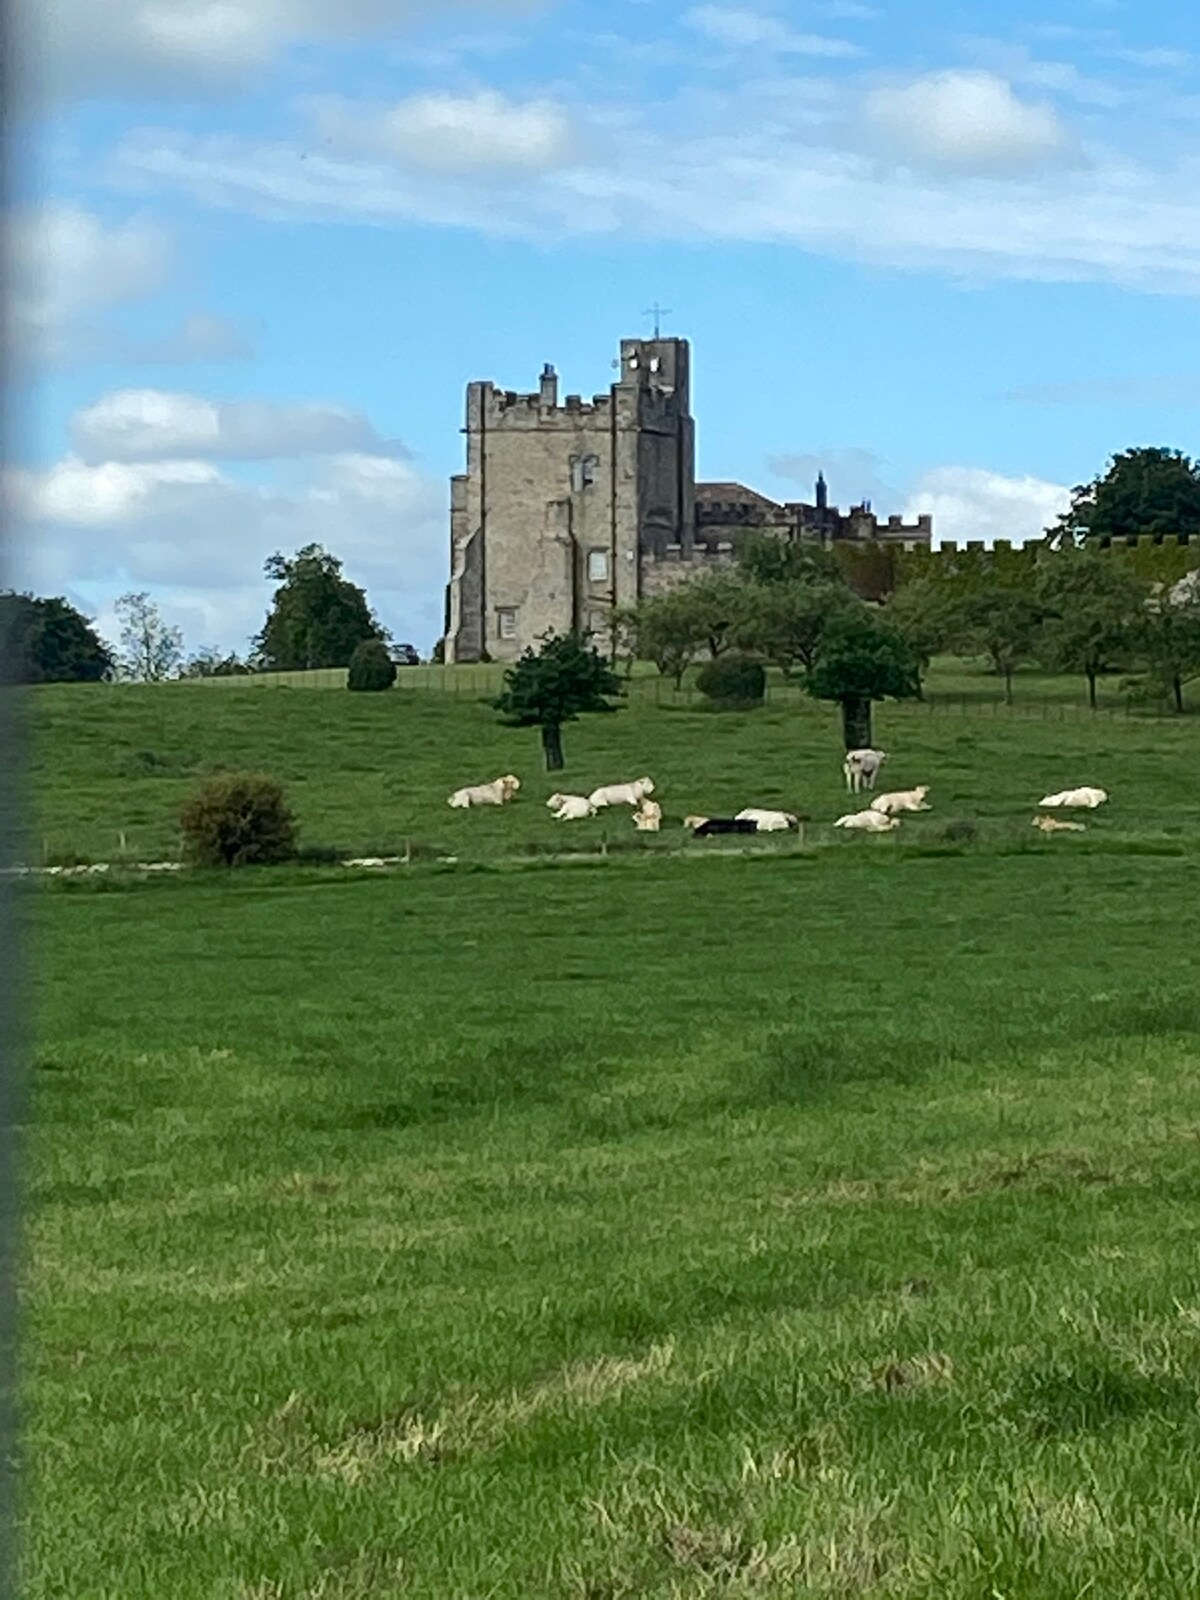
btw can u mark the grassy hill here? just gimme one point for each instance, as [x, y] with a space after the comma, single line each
[370, 773]
[762, 1226]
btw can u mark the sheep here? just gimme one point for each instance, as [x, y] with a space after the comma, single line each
[1056, 825]
[622, 794]
[497, 793]
[570, 807]
[703, 827]
[768, 821]
[861, 768]
[1087, 798]
[902, 800]
[868, 821]
[648, 816]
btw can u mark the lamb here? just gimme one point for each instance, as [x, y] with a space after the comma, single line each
[1056, 825]
[622, 794]
[768, 821]
[861, 768]
[1087, 798]
[703, 827]
[902, 800]
[868, 821]
[497, 793]
[648, 816]
[570, 807]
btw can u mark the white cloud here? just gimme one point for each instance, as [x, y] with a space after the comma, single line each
[967, 121]
[197, 539]
[142, 425]
[739, 29]
[1133, 389]
[451, 133]
[205, 46]
[973, 503]
[67, 264]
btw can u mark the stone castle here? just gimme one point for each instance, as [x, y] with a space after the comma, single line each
[569, 510]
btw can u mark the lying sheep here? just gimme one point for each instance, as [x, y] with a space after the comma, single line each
[622, 794]
[1057, 825]
[902, 800]
[648, 816]
[768, 821]
[868, 821]
[1086, 798]
[497, 793]
[703, 827]
[570, 807]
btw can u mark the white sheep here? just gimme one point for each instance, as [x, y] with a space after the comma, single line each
[1057, 825]
[902, 800]
[861, 768]
[868, 821]
[497, 793]
[622, 794]
[768, 821]
[1086, 798]
[570, 807]
[648, 817]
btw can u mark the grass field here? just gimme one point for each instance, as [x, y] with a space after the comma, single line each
[819, 1224]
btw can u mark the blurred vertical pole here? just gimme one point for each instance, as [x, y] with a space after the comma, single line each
[12, 1065]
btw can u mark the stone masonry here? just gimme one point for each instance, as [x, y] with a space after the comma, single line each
[568, 510]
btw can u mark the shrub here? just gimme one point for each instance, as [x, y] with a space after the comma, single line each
[238, 820]
[371, 667]
[733, 680]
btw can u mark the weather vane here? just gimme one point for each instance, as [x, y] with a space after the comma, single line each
[656, 311]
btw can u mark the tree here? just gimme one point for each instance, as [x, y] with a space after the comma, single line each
[765, 559]
[786, 620]
[558, 683]
[371, 667]
[863, 658]
[317, 616]
[928, 613]
[1169, 644]
[209, 662]
[1146, 491]
[1095, 608]
[666, 630]
[49, 641]
[1005, 625]
[150, 650]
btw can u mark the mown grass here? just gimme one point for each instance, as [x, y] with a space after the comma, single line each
[820, 1226]
[369, 774]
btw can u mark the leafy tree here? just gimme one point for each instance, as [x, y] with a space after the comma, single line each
[1149, 490]
[558, 683]
[1005, 625]
[716, 602]
[1169, 644]
[49, 641]
[863, 658]
[209, 662]
[150, 650]
[765, 559]
[371, 667]
[786, 620]
[929, 615]
[1095, 609]
[317, 616]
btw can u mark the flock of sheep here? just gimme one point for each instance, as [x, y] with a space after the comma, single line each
[861, 769]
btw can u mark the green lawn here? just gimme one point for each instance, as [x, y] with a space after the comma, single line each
[369, 774]
[814, 1226]
[820, 1221]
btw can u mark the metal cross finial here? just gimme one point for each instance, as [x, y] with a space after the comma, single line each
[656, 311]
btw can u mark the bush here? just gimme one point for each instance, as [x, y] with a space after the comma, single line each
[371, 667]
[238, 820]
[733, 680]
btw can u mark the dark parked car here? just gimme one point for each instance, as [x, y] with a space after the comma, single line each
[405, 655]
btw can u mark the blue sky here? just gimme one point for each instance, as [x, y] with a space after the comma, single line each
[950, 253]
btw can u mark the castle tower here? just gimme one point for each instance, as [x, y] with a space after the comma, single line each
[560, 503]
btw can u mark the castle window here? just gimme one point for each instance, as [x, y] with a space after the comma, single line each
[506, 623]
[597, 566]
[583, 472]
